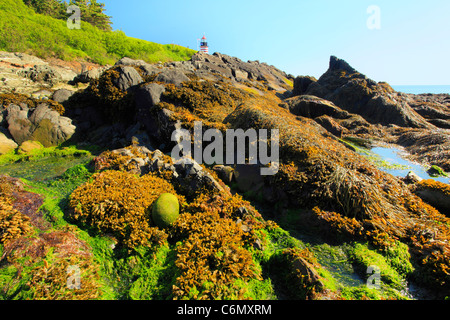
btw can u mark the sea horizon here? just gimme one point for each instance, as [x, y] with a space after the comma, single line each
[420, 89]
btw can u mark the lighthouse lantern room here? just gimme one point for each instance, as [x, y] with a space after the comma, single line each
[204, 45]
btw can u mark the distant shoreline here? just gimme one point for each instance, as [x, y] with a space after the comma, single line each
[418, 89]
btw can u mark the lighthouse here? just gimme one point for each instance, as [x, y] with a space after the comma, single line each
[204, 45]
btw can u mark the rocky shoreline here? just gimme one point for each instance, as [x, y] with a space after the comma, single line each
[131, 109]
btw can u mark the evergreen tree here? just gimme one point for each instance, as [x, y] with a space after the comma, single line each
[92, 11]
[97, 17]
[52, 8]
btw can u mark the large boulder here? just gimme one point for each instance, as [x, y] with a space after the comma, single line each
[172, 76]
[149, 95]
[128, 77]
[331, 126]
[62, 95]
[41, 124]
[6, 145]
[19, 126]
[248, 178]
[146, 68]
[89, 75]
[29, 146]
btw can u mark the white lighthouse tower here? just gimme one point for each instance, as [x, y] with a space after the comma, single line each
[204, 45]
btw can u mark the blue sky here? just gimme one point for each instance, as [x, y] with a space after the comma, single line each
[412, 47]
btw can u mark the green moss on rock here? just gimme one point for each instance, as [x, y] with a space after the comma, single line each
[165, 210]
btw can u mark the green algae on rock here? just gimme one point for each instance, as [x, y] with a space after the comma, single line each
[165, 210]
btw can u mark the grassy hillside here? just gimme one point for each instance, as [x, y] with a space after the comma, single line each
[22, 30]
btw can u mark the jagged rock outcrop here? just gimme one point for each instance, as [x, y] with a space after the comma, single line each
[239, 71]
[355, 93]
[435, 108]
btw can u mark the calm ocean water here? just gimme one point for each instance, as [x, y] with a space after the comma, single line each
[422, 89]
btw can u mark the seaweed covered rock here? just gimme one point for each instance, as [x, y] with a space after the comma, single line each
[215, 250]
[435, 193]
[165, 210]
[318, 171]
[19, 210]
[117, 202]
[110, 95]
[300, 277]
[426, 146]
[54, 265]
[186, 174]
[13, 224]
[313, 107]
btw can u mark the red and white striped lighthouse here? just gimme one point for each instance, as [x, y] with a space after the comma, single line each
[204, 45]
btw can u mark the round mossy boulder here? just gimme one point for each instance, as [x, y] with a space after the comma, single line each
[166, 210]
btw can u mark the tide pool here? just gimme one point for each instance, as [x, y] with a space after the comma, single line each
[393, 161]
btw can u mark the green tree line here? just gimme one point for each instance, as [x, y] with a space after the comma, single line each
[92, 11]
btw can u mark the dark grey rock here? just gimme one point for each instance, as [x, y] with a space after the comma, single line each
[225, 173]
[19, 126]
[62, 95]
[339, 64]
[248, 177]
[148, 69]
[89, 75]
[313, 107]
[172, 76]
[128, 77]
[149, 95]
[301, 85]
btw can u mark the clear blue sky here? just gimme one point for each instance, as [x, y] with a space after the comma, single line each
[298, 36]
